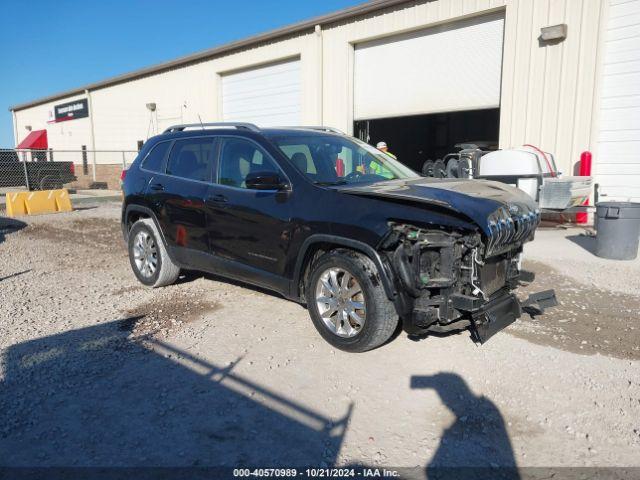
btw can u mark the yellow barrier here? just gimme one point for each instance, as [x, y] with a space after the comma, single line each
[33, 203]
[15, 204]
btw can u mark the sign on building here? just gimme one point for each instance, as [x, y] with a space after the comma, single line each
[71, 110]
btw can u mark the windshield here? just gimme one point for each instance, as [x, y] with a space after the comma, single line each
[333, 160]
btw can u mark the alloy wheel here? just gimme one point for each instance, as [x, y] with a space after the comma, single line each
[340, 302]
[145, 254]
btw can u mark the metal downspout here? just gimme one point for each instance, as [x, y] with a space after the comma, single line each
[93, 138]
[15, 128]
[320, 67]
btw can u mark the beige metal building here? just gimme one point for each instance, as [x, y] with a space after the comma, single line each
[421, 75]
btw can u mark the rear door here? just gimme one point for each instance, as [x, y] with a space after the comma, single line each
[178, 196]
[248, 226]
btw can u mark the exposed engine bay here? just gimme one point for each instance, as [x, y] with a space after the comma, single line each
[454, 280]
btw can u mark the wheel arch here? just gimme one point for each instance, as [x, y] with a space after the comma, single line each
[132, 214]
[321, 243]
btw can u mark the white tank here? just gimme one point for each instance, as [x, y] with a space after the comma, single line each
[516, 161]
[535, 173]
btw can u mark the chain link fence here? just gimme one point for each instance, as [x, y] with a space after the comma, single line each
[75, 169]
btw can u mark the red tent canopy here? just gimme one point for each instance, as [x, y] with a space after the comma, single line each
[36, 140]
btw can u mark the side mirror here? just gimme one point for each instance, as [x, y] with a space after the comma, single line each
[264, 181]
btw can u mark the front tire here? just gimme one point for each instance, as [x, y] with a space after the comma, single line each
[347, 303]
[148, 256]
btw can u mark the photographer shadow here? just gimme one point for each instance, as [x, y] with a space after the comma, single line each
[98, 397]
[477, 444]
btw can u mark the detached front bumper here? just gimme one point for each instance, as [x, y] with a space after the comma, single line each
[494, 316]
[485, 319]
[503, 311]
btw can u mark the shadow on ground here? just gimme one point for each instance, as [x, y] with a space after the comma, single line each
[95, 397]
[477, 444]
[587, 242]
[16, 274]
[9, 225]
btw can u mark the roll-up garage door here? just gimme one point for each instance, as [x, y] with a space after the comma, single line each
[456, 66]
[266, 96]
[618, 154]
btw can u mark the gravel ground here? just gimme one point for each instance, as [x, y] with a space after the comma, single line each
[97, 370]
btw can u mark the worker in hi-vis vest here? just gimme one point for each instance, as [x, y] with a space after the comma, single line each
[377, 168]
[382, 146]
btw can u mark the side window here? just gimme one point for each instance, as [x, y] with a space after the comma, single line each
[238, 158]
[301, 157]
[153, 160]
[191, 158]
[344, 162]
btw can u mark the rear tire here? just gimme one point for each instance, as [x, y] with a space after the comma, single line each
[427, 168]
[439, 169]
[355, 282]
[148, 256]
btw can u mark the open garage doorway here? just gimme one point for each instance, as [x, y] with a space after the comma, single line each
[424, 91]
[417, 138]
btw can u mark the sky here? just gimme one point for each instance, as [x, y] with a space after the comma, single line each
[51, 46]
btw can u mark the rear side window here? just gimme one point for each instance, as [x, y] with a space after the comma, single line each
[153, 160]
[191, 158]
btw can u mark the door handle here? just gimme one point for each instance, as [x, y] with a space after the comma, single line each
[158, 187]
[217, 199]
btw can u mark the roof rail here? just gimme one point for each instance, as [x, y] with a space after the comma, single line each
[316, 127]
[238, 125]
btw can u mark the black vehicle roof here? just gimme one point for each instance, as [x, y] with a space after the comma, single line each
[267, 132]
[297, 132]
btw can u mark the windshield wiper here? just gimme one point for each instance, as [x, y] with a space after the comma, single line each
[333, 183]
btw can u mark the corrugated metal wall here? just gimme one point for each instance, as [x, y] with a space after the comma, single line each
[618, 167]
[339, 41]
[549, 91]
[191, 93]
[547, 98]
[181, 95]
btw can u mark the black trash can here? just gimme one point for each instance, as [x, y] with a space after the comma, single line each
[618, 230]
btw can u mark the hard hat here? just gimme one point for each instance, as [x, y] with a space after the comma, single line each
[381, 145]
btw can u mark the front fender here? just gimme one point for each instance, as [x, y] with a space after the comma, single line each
[384, 270]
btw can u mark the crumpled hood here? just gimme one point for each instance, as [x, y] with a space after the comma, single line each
[475, 199]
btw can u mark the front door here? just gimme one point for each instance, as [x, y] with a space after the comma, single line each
[248, 226]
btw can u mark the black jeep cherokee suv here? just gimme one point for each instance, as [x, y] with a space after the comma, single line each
[327, 220]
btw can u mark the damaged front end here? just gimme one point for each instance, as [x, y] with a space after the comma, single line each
[450, 281]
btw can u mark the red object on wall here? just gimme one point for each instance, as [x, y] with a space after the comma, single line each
[585, 171]
[585, 164]
[36, 140]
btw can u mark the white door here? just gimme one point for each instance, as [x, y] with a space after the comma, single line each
[618, 153]
[266, 96]
[456, 66]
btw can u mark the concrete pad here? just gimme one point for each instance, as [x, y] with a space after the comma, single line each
[571, 252]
